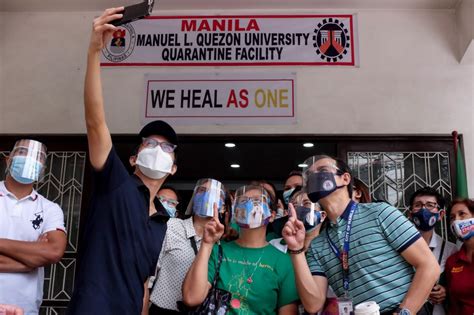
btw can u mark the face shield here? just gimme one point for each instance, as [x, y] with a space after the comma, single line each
[306, 211]
[319, 178]
[27, 161]
[251, 207]
[207, 192]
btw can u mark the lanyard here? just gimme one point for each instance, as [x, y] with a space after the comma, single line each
[344, 256]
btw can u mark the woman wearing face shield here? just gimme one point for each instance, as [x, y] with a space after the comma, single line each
[459, 269]
[181, 244]
[259, 277]
[307, 212]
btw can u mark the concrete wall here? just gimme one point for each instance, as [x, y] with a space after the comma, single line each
[409, 81]
[465, 27]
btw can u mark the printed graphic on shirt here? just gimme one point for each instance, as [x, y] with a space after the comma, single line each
[457, 269]
[240, 284]
[37, 221]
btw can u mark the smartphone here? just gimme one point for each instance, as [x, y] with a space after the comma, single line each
[135, 12]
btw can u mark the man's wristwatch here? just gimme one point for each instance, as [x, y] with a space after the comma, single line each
[402, 311]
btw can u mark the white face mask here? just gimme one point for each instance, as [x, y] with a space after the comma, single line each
[154, 162]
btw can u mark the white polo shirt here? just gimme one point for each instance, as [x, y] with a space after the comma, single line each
[26, 220]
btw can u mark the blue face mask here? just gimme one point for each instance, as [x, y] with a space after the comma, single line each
[424, 220]
[287, 194]
[251, 215]
[169, 209]
[203, 206]
[18, 165]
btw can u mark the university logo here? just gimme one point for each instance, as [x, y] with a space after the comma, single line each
[331, 40]
[121, 45]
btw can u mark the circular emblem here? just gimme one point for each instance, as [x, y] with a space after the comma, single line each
[328, 185]
[121, 45]
[331, 40]
[432, 221]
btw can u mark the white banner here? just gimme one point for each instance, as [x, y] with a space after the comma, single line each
[235, 40]
[220, 98]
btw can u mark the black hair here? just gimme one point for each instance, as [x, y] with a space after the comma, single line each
[469, 203]
[295, 173]
[428, 191]
[344, 168]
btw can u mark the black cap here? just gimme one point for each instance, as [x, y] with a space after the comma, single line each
[159, 128]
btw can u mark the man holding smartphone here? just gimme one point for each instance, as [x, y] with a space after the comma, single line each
[126, 223]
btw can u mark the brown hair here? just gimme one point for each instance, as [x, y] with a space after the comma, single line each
[469, 203]
[364, 191]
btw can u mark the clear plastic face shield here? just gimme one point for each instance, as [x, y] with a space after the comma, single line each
[306, 211]
[251, 207]
[207, 193]
[27, 161]
[319, 177]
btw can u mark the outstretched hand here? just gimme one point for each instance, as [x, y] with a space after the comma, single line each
[294, 231]
[102, 31]
[213, 229]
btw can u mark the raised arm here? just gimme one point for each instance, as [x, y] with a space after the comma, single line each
[196, 284]
[100, 142]
[427, 273]
[36, 254]
[311, 289]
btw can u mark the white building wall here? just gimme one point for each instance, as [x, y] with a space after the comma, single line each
[409, 80]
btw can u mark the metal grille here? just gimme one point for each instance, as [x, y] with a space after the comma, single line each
[395, 176]
[62, 183]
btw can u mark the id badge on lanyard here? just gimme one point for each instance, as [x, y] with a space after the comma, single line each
[344, 304]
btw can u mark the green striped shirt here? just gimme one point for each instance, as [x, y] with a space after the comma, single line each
[377, 271]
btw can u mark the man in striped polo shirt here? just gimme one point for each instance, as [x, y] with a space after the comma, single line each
[366, 252]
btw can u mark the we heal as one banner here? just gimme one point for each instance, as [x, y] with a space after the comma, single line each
[235, 40]
[220, 98]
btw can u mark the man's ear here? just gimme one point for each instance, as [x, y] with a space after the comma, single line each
[442, 213]
[272, 218]
[323, 215]
[174, 169]
[356, 193]
[8, 160]
[346, 178]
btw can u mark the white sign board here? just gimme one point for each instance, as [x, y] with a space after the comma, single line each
[235, 40]
[220, 98]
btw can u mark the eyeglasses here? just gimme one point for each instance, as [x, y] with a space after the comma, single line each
[171, 202]
[429, 205]
[153, 143]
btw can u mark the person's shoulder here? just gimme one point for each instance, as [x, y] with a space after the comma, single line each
[451, 248]
[375, 207]
[379, 210]
[451, 260]
[46, 204]
[232, 245]
[176, 226]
